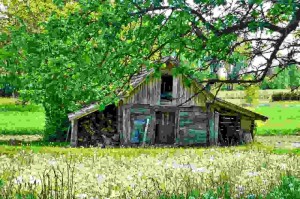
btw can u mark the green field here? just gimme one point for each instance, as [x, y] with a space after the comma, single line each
[20, 120]
[284, 118]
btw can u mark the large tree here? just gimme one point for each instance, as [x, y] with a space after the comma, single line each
[91, 52]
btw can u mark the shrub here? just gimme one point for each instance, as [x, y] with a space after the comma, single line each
[252, 94]
[286, 96]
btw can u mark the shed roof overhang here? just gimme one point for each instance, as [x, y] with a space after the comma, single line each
[84, 111]
[240, 110]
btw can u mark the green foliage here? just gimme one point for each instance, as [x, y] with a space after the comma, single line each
[288, 78]
[65, 55]
[252, 94]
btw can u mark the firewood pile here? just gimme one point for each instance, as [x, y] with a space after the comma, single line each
[98, 129]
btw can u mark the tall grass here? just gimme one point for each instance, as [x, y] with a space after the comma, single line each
[25, 176]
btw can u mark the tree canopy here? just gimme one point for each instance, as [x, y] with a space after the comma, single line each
[67, 55]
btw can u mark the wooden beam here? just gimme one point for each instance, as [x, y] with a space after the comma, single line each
[216, 118]
[74, 131]
[208, 112]
[83, 112]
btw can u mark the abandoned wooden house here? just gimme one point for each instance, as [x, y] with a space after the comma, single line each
[164, 111]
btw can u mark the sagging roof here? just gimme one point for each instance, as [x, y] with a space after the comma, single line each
[140, 77]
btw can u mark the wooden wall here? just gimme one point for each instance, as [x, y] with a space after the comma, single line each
[247, 125]
[149, 93]
[192, 126]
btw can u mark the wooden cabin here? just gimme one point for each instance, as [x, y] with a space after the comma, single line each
[164, 111]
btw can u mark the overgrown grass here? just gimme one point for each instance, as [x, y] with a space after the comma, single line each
[161, 173]
[289, 188]
[20, 120]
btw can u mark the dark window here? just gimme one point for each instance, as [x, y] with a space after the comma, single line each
[166, 87]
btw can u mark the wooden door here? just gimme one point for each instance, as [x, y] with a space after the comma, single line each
[165, 128]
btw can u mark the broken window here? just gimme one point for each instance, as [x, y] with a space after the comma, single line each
[166, 87]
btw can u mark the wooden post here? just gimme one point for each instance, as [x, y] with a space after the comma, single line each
[217, 116]
[251, 129]
[74, 131]
[208, 125]
[145, 134]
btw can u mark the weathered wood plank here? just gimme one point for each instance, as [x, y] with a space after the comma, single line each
[74, 133]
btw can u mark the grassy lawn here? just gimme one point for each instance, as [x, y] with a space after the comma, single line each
[20, 120]
[283, 119]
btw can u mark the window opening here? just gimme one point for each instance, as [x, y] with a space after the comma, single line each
[166, 87]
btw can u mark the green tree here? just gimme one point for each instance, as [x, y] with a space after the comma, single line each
[252, 94]
[72, 57]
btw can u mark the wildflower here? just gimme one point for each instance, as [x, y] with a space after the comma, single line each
[129, 177]
[283, 166]
[211, 158]
[100, 178]
[132, 185]
[140, 174]
[240, 189]
[82, 196]
[201, 169]
[33, 180]
[251, 174]
[52, 162]
[18, 180]
[159, 162]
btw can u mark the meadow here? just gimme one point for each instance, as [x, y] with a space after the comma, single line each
[267, 168]
[239, 172]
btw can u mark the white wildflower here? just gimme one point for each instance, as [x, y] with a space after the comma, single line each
[18, 180]
[33, 180]
[201, 169]
[100, 178]
[80, 166]
[251, 174]
[140, 174]
[82, 196]
[241, 189]
[211, 158]
[129, 177]
[52, 162]
[132, 185]
[283, 166]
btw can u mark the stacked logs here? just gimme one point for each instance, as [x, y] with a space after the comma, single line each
[98, 129]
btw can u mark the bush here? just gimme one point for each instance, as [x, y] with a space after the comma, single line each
[252, 94]
[286, 96]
